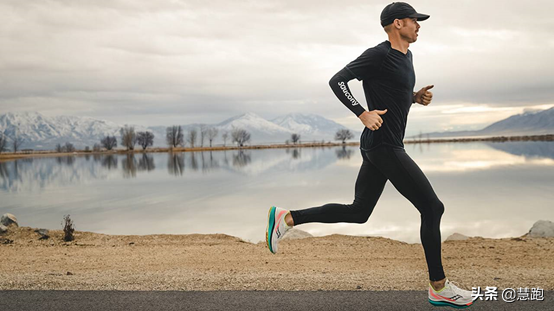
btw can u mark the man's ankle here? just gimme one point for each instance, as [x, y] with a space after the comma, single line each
[438, 285]
[289, 220]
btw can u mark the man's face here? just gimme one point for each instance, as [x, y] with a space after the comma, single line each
[409, 29]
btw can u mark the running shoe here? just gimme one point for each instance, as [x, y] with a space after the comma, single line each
[276, 227]
[451, 295]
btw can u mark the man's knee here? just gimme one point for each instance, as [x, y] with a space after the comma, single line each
[432, 210]
[361, 211]
[438, 208]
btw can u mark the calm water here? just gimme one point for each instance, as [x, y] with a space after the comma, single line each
[489, 190]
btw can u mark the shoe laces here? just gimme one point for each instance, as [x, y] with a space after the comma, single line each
[458, 288]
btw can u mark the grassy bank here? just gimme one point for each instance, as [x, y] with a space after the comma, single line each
[51, 153]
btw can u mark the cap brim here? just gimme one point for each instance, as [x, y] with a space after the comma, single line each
[420, 17]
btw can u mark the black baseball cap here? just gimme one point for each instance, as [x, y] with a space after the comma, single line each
[399, 10]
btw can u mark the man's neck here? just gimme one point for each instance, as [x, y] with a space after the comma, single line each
[398, 44]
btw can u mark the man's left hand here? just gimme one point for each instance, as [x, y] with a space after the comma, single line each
[424, 96]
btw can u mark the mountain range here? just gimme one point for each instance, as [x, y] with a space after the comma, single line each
[41, 132]
[527, 123]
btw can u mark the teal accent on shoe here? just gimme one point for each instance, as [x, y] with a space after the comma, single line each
[270, 228]
[447, 304]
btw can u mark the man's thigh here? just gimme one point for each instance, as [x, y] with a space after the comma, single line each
[370, 182]
[404, 174]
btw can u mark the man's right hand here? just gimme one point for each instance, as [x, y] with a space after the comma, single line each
[371, 119]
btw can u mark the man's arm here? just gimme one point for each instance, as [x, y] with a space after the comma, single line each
[339, 85]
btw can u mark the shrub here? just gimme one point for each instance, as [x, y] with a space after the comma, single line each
[68, 229]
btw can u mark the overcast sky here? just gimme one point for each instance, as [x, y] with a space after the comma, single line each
[175, 62]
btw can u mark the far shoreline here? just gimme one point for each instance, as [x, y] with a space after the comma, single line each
[6, 156]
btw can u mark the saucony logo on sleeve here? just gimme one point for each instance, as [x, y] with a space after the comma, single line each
[351, 98]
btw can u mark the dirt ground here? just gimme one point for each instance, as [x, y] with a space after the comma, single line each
[221, 262]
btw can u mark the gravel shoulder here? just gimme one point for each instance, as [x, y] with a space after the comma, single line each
[221, 262]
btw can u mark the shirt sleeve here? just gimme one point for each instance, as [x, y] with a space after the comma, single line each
[367, 65]
[339, 85]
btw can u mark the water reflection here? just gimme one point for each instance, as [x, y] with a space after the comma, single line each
[4, 170]
[175, 163]
[471, 179]
[68, 160]
[34, 174]
[193, 161]
[146, 163]
[109, 161]
[294, 152]
[241, 159]
[129, 166]
[343, 153]
[531, 149]
[442, 158]
[209, 162]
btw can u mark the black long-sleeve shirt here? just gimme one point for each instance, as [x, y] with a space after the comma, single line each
[388, 80]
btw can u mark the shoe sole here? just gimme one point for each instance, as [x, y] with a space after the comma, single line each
[270, 227]
[449, 304]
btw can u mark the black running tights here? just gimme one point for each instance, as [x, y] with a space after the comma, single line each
[379, 165]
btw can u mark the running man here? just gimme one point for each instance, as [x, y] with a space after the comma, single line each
[388, 80]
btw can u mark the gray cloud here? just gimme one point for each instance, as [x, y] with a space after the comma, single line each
[188, 61]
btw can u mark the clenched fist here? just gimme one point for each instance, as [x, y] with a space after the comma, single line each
[424, 96]
[371, 119]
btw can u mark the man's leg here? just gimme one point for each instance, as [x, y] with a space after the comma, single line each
[409, 180]
[369, 186]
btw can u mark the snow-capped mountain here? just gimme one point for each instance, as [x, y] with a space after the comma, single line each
[309, 126]
[41, 132]
[260, 129]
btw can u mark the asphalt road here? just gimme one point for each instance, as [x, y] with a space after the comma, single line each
[242, 300]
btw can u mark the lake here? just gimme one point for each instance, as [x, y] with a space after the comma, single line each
[488, 189]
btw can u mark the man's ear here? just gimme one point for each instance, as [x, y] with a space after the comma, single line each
[398, 23]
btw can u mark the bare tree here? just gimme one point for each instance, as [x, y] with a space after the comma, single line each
[191, 137]
[16, 143]
[128, 137]
[240, 136]
[294, 138]
[174, 136]
[109, 142]
[59, 148]
[203, 132]
[3, 143]
[69, 147]
[343, 135]
[96, 147]
[212, 133]
[145, 139]
[225, 135]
